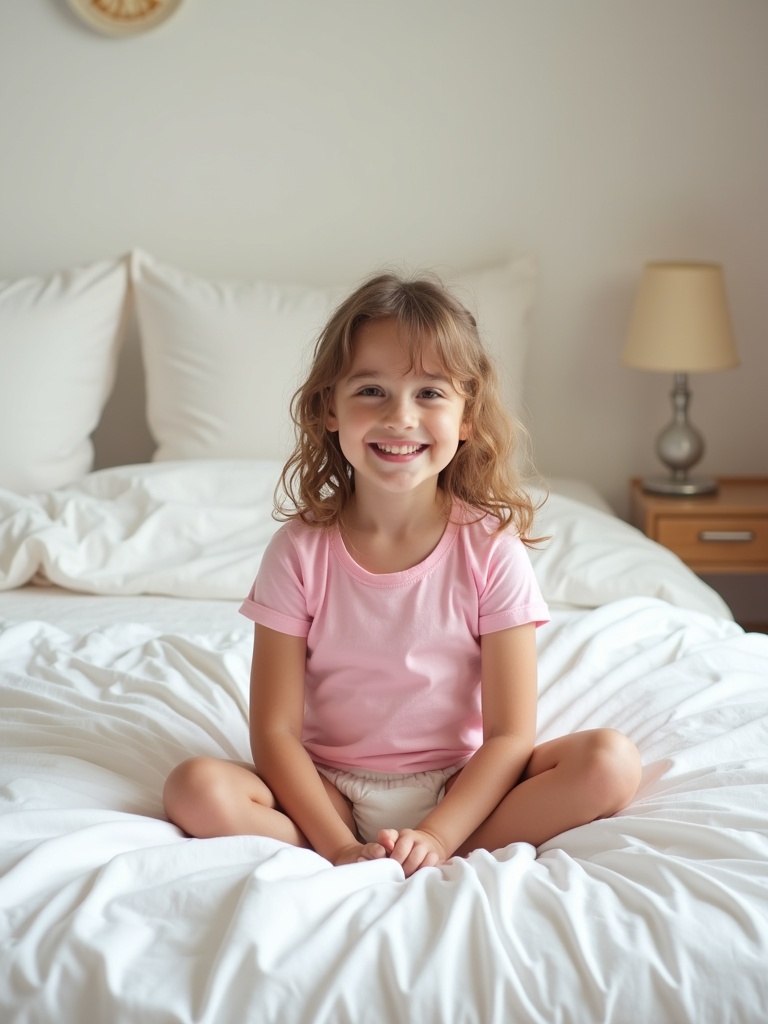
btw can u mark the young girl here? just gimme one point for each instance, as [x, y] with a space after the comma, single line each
[393, 685]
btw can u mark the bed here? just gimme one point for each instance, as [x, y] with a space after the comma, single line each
[122, 652]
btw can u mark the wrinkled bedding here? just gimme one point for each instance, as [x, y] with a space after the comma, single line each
[123, 652]
[198, 529]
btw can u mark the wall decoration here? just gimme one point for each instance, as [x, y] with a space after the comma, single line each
[124, 17]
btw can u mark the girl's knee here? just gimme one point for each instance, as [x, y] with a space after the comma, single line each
[192, 786]
[613, 768]
[208, 797]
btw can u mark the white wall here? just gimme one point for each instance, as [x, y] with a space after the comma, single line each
[309, 141]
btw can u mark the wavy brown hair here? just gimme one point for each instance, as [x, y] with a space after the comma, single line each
[317, 481]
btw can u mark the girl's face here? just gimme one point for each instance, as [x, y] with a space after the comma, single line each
[398, 427]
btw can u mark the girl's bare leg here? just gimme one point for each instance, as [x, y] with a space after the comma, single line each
[207, 797]
[567, 782]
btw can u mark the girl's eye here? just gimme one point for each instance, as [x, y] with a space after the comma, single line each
[430, 393]
[370, 392]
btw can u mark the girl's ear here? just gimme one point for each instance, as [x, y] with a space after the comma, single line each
[465, 429]
[331, 422]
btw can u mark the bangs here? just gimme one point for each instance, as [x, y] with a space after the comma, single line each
[436, 328]
[447, 351]
[433, 344]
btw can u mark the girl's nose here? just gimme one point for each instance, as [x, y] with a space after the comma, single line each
[401, 413]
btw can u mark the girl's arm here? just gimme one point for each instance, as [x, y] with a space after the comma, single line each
[276, 723]
[509, 697]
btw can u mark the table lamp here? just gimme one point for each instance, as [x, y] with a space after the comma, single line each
[680, 324]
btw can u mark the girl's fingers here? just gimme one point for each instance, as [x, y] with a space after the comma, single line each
[372, 851]
[388, 838]
[414, 850]
[402, 849]
[419, 857]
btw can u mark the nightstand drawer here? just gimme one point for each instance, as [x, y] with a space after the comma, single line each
[716, 541]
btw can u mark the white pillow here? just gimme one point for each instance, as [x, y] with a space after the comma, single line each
[222, 359]
[501, 298]
[592, 558]
[59, 336]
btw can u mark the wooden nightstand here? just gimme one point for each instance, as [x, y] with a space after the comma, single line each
[726, 532]
[715, 534]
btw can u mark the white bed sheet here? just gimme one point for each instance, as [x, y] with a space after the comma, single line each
[108, 913]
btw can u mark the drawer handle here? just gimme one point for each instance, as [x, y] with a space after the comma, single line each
[727, 536]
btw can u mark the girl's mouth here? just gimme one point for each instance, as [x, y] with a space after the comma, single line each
[397, 450]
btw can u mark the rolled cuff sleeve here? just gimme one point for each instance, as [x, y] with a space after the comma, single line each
[536, 612]
[274, 620]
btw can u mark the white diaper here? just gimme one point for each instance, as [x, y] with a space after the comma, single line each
[380, 800]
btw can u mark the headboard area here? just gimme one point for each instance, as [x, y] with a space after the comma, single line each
[131, 359]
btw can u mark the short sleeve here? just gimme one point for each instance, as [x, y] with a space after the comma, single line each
[511, 595]
[277, 598]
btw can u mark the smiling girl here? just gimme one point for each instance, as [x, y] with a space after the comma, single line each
[393, 682]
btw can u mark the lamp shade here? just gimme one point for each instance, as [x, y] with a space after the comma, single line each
[680, 322]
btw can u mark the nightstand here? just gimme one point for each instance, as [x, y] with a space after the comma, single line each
[714, 534]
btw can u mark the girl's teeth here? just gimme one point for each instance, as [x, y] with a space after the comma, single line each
[399, 449]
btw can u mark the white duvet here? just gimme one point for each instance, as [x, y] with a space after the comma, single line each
[108, 914]
[199, 528]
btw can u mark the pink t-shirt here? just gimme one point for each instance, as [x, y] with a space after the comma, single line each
[393, 660]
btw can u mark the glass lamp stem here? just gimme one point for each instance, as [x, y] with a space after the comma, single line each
[680, 446]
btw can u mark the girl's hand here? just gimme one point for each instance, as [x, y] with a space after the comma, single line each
[356, 852]
[413, 848]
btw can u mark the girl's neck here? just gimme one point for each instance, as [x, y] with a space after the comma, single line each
[395, 534]
[394, 515]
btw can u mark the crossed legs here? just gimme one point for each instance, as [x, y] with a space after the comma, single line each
[568, 782]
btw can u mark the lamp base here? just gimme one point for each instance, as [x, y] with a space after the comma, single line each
[688, 488]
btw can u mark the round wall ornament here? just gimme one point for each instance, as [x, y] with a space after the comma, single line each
[124, 17]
